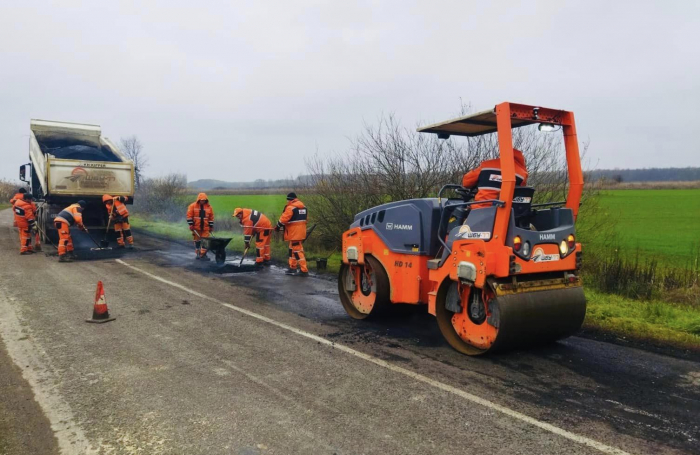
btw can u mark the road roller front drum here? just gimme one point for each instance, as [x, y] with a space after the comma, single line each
[507, 321]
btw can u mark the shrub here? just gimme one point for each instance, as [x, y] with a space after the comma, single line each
[8, 189]
[162, 198]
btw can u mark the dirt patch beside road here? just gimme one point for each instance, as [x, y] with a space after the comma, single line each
[23, 427]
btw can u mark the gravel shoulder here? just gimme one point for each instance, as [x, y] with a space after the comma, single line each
[24, 429]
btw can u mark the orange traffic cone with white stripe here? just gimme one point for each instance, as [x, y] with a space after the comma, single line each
[100, 313]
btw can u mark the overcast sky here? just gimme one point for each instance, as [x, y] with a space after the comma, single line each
[246, 90]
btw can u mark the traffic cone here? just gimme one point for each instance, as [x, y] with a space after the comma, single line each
[100, 313]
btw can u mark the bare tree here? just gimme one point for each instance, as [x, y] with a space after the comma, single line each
[133, 149]
[388, 162]
[9, 188]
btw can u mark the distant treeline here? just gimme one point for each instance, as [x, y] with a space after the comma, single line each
[669, 174]
[654, 174]
[259, 184]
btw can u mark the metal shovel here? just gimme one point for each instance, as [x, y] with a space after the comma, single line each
[105, 243]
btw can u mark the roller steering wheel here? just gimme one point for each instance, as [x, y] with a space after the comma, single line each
[467, 194]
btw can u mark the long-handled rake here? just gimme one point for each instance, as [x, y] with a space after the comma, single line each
[45, 236]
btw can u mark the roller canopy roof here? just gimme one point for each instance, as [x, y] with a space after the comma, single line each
[484, 122]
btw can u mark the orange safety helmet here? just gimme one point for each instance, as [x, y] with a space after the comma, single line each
[237, 211]
[106, 198]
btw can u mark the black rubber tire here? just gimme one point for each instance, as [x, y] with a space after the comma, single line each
[220, 257]
[444, 320]
[382, 302]
[42, 225]
[48, 233]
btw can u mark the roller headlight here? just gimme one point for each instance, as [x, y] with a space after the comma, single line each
[563, 248]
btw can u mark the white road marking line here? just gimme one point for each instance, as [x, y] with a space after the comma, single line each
[411, 374]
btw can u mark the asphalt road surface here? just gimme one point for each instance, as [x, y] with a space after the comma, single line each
[205, 360]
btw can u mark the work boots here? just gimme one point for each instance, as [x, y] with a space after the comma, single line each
[64, 258]
[294, 272]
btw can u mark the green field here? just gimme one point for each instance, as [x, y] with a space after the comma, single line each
[658, 224]
[269, 204]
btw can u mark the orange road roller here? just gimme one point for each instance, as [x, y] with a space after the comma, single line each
[497, 274]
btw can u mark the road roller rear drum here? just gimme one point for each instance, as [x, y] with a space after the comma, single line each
[364, 289]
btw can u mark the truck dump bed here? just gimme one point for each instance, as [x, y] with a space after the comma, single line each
[72, 159]
[72, 141]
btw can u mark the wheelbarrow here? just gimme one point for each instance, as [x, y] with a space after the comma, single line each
[218, 246]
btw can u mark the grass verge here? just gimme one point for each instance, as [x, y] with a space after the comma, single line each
[654, 322]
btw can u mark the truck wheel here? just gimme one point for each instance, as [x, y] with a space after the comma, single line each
[364, 289]
[41, 221]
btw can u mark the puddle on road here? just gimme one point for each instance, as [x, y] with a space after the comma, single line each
[230, 268]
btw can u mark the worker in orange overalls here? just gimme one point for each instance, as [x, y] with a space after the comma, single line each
[487, 178]
[70, 216]
[19, 196]
[256, 224]
[293, 221]
[120, 217]
[26, 222]
[200, 217]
